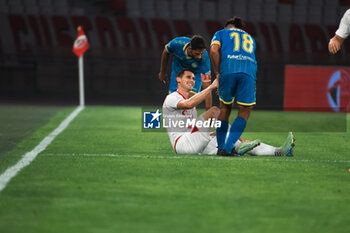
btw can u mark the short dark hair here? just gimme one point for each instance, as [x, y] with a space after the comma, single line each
[235, 21]
[182, 72]
[197, 42]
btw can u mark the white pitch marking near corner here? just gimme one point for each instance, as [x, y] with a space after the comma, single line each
[200, 157]
[28, 157]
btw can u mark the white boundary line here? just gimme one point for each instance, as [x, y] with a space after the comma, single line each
[200, 157]
[28, 157]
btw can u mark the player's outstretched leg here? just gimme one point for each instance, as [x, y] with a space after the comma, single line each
[288, 145]
[247, 146]
[241, 148]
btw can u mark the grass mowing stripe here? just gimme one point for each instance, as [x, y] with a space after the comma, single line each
[30, 156]
[199, 157]
[17, 122]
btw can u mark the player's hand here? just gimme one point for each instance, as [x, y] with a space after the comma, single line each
[162, 77]
[335, 44]
[215, 84]
[217, 80]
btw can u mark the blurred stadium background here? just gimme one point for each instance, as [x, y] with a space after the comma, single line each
[127, 38]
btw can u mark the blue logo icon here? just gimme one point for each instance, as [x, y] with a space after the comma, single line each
[151, 120]
[334, 91]
[339, 91]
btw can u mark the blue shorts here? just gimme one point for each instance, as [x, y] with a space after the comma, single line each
[240, 86]
[197, 85]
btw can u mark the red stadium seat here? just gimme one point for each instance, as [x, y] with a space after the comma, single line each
[250, 28]
[162, 30]
[317, 40]
[182, 28]
[277, 38]
[296, 41]
[104, 28]
[61, 28]
[45, 27]
[212, 27]
[33, 23]
[267, 38]
[145, 32]
[18, 26]
[127, 28]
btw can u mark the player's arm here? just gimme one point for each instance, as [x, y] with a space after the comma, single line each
[206, 83]
[197, 98]
[206, 80]
[163, 65]
[215, 58]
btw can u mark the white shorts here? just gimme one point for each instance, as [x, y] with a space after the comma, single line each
[193, 142]
[210, 146]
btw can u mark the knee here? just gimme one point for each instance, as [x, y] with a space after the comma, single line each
[244, 111]
[245, 108]
[215, 111]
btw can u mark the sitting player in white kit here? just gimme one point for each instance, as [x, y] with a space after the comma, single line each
[178, 109]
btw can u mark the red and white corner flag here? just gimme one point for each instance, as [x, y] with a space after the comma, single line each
[81, 43]
[80, 46]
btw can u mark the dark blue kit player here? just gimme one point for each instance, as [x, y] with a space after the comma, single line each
[232, 54]
[188, 53]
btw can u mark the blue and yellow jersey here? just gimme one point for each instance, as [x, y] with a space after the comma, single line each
[237, 52]
[177, 47]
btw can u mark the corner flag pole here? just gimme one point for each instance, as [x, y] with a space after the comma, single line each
[80, 46]
[81, 81]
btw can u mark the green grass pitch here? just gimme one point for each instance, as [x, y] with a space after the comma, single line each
[103, 174]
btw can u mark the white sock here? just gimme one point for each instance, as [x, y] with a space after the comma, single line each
[237, 144]
[264, 149]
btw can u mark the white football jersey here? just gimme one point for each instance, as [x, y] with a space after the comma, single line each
[344, 26]
[174, 119]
